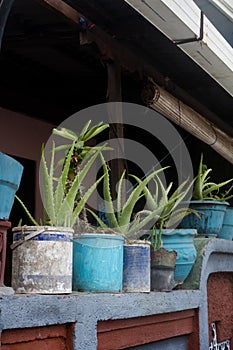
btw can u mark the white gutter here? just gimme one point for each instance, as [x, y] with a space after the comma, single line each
[183, 22]
[225, 6]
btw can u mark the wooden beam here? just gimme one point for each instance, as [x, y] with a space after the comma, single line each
[63, 8]
[116, 130]
[109, 47]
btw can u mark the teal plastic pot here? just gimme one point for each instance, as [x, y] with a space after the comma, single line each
[212, 214]
[227, 226]
[182, 241]
[10, 177]
[97, 262]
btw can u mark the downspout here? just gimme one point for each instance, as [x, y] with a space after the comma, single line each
[5, 7]
[190, 40]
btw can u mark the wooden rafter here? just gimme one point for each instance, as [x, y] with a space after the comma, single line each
[109, 47]
[63, 8]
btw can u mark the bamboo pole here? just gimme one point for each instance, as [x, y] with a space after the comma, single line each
[190, 120]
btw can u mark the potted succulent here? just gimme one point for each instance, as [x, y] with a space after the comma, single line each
[97, 254]
[209, 202]
[123, 221]
[172, 250]
[42, 254]
[10, 176]
[227, 226]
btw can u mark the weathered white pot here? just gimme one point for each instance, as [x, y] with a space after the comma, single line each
[42, 259]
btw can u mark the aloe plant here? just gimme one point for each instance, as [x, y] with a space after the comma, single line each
[61, 208]
[80, 153]
[122, 221]
[207, 190]
[169, 205]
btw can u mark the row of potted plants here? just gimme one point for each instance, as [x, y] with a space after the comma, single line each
[215, 217]
[64, 252]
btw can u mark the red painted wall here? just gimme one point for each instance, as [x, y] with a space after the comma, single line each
[121, 334]
[58, 337]
[220, 305]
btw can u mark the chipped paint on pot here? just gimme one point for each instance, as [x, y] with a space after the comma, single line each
[212, 214]
[43, 263]
[136, 267]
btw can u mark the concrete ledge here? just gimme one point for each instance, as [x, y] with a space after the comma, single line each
[86, 309]
[21, 311]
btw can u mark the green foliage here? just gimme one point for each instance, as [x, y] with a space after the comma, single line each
[60, 194]
[81, 151]
[123, 221]
[207, 190]
[169, 207]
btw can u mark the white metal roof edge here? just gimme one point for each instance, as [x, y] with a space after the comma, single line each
[161, 16]
[213, 53]
[186, 11]
[225, 6]
[219, 46]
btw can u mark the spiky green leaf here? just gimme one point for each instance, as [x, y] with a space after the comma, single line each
[48, 198]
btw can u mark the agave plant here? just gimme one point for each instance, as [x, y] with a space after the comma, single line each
[170, 206]
[61, 207]
[207, 190]
[122, 220]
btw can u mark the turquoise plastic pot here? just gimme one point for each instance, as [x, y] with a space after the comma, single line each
[97, 262]
[10, 177]
[182, 241]
[227, 226]
[212, 214]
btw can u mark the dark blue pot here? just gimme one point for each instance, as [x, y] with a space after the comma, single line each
[227, 226]
[212, 214]
[182, 241]
[136, 267]
[10, 177]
